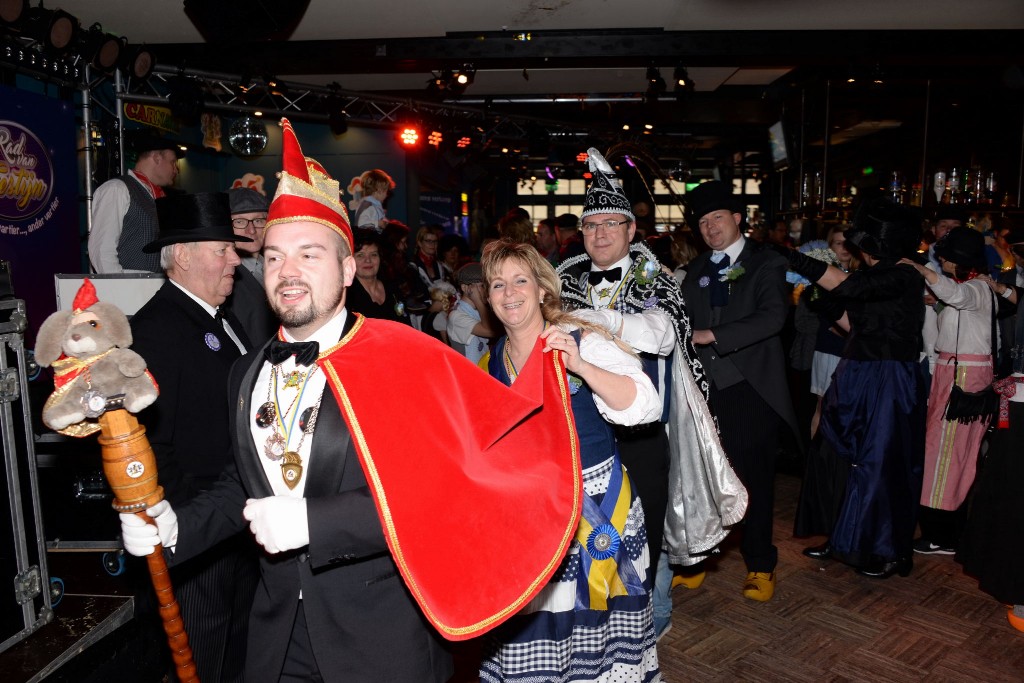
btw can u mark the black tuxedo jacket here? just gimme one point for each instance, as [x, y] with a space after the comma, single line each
[363, 623]
[747, 346]
[248, 301]
[190, 356]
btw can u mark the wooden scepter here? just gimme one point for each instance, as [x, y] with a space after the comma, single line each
[97, 381]
[130, 468]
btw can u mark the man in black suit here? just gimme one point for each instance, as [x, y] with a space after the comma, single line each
[327, 480]
[248, 300]
[189, 346]
[736, 298]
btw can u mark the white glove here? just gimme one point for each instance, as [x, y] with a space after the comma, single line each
[140, 538]
[604, 317]
[278, 523]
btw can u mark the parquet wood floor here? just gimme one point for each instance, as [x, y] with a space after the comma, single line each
[826, 623]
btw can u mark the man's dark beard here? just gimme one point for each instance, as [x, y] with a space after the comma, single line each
[293, 318]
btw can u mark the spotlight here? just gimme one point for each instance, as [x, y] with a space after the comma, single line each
[435, 138]
[683, 82]
[139, 63]
[13, 11]
[102, 50]
[655, 83]
[465, 75]
[463, 142]
[336, 118]
[409, 136]
[54, 28]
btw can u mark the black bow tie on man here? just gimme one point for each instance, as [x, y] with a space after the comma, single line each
[305, 352]
[611, 275]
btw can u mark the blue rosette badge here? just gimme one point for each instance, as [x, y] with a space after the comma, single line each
[603, 542]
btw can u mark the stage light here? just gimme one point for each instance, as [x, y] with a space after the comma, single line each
[582, 157]
[13, 11]
[337, 120]
[466, 75]
[655, 83]
[682, 79]
[410, 136]
[463, 142]
[56, 29]
[435, 138]
[102, 50]
[138, 62]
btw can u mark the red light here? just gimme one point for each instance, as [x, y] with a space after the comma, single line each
[410, 136]
[588, 175]
[582, 156]
[464, 141]
[435, 138]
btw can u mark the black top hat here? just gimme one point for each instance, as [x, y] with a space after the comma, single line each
[949, 212]
[964, 247]
[147, 142]
[200, 217]
[707, 197]
[886, 230]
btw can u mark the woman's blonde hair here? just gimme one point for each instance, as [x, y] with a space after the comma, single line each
[498, 252]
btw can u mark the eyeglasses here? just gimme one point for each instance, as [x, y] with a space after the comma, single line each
[244, 223]
[607, 225]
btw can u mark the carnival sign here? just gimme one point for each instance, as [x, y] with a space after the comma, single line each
[26, 176]
[150, 115]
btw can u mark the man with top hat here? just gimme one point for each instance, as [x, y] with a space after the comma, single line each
[248, 300]
[124, 211]
[189, 343]
[373, 546]
[736, 296]
[688, 490]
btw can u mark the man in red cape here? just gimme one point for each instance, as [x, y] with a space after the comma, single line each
[366, 451]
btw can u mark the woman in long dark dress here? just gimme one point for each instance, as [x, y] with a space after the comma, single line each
[874, 410]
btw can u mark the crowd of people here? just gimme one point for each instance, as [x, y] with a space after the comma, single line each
[683, 363]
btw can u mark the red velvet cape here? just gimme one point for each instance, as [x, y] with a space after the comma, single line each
[478, 485]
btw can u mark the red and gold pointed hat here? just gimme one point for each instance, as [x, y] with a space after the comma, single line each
[305, 191]
[85, 297]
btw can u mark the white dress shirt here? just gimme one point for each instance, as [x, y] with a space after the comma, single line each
[315, 385]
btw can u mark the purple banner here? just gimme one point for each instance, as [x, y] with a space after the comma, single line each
[39, 211]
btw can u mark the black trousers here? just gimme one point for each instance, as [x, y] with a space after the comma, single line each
[750, 435]
[215, 592]
[644, 452]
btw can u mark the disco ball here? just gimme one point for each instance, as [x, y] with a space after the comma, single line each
[247, 136]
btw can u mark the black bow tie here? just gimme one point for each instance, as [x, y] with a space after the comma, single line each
[305, 352]
[611, 275]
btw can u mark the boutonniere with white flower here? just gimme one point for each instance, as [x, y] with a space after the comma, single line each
[732, 272]
[646, 272]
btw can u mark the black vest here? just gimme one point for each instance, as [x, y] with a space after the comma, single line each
[138, 229]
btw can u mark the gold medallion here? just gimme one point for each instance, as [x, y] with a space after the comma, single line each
[291, 469]
[293, 379]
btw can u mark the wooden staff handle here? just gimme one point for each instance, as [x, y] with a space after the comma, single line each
[130, 468]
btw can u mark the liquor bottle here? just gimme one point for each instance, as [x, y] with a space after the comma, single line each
[954, 186]
[990, 188]
[915, 195]
[895, 188]
[939, 186]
